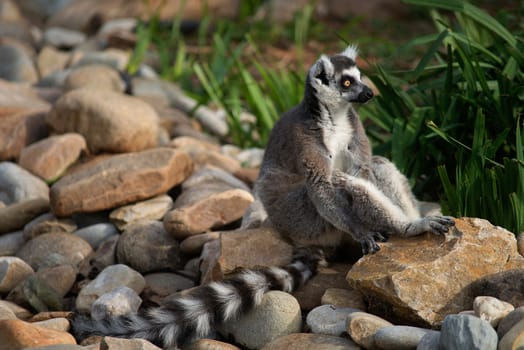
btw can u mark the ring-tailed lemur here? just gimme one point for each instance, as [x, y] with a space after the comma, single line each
[318, 182]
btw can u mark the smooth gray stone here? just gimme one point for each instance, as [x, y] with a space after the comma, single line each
[329, 319]
[399, 337]
[96, 234]
[430, 341]
[467, 332]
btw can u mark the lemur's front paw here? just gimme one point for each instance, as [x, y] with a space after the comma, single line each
[438, 224]
[369, 244]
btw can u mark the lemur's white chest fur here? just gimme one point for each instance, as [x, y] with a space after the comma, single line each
[337, 136]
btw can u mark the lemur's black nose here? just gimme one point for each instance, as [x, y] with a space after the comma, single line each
[365, 95]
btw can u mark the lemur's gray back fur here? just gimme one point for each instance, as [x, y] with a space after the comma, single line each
[318, 182]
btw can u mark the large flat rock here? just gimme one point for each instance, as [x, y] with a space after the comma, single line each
[422, 279]
[120, 180]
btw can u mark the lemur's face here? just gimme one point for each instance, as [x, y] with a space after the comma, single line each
[337, 80]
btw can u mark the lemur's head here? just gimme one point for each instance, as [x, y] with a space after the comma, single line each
[338, 80]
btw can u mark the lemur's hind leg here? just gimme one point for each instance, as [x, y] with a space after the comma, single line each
[395, 186]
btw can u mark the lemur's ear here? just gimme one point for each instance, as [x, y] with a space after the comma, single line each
[322, 71]
[351, 52]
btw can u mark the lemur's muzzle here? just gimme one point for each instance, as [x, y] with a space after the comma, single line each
[365, 95]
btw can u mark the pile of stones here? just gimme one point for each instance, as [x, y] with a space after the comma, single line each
[119, 191]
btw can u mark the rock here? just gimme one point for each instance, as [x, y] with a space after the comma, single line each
[277, 315]
[104, 256]
[97, 233]
[305, 341]
[328, 319]
[467, 332]
[18, 185]
[51, 60]
[109, 121]
[16, 334]
[211, 344]
[362, 327]
[15, 216]
[120, 301]
[111, 57]
[506, 286]
[309, 295]
[520, 243]
[6, 313]
[430, 341]
[110, 278]
[409, 279]
[161, 284]
[399, 337]
[49, 158]
[63, 38]
[215, 211]
[509, 321]
[193, 245]
[49, 315]
[37, 293]
[9, 11]
[247, 248]
[19, 127]
[47, 223]
[491, 309]
[343, 298]
[61, 278]
[57, 324]
[17, 97]
[203, 158]
[10, 243]
[12, 271]
[514, 338]
[20, 312]
[71, 247]
[95, 76]
[109, 343]
[251, 157]
[150, 209]
[188, 143]
[62, 347]
[119, 180]
[15, 62]
[147, 247]
[205, 182]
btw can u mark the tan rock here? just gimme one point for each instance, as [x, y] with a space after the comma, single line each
[309, 296]
[514, 338]
[77, 15]
[491, 309]
[12, 271]
[110, 343]
[21, 96]
[422, 279]
[15, 216]
[363, 326]
[193, 245]
[19, 127]
[520, 243]
[72, 248]
[20, 312]
[308, 341]
[187, 143]
[109, 121]
[212, 212]
[49, 315]
[344, 298]
[50, 157]
[51, 60]
[246, 248]
[211, 344]
[48, 223]
[94, 76]
[150, 209]
[58, 324]
[16, 334]
[201, 158]
[120, 180]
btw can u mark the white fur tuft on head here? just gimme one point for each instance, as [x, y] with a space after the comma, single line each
[351, 52]
[322, 65]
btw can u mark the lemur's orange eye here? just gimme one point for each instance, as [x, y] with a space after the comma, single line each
[346, 83]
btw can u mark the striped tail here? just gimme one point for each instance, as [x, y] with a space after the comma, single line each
[195, 314]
